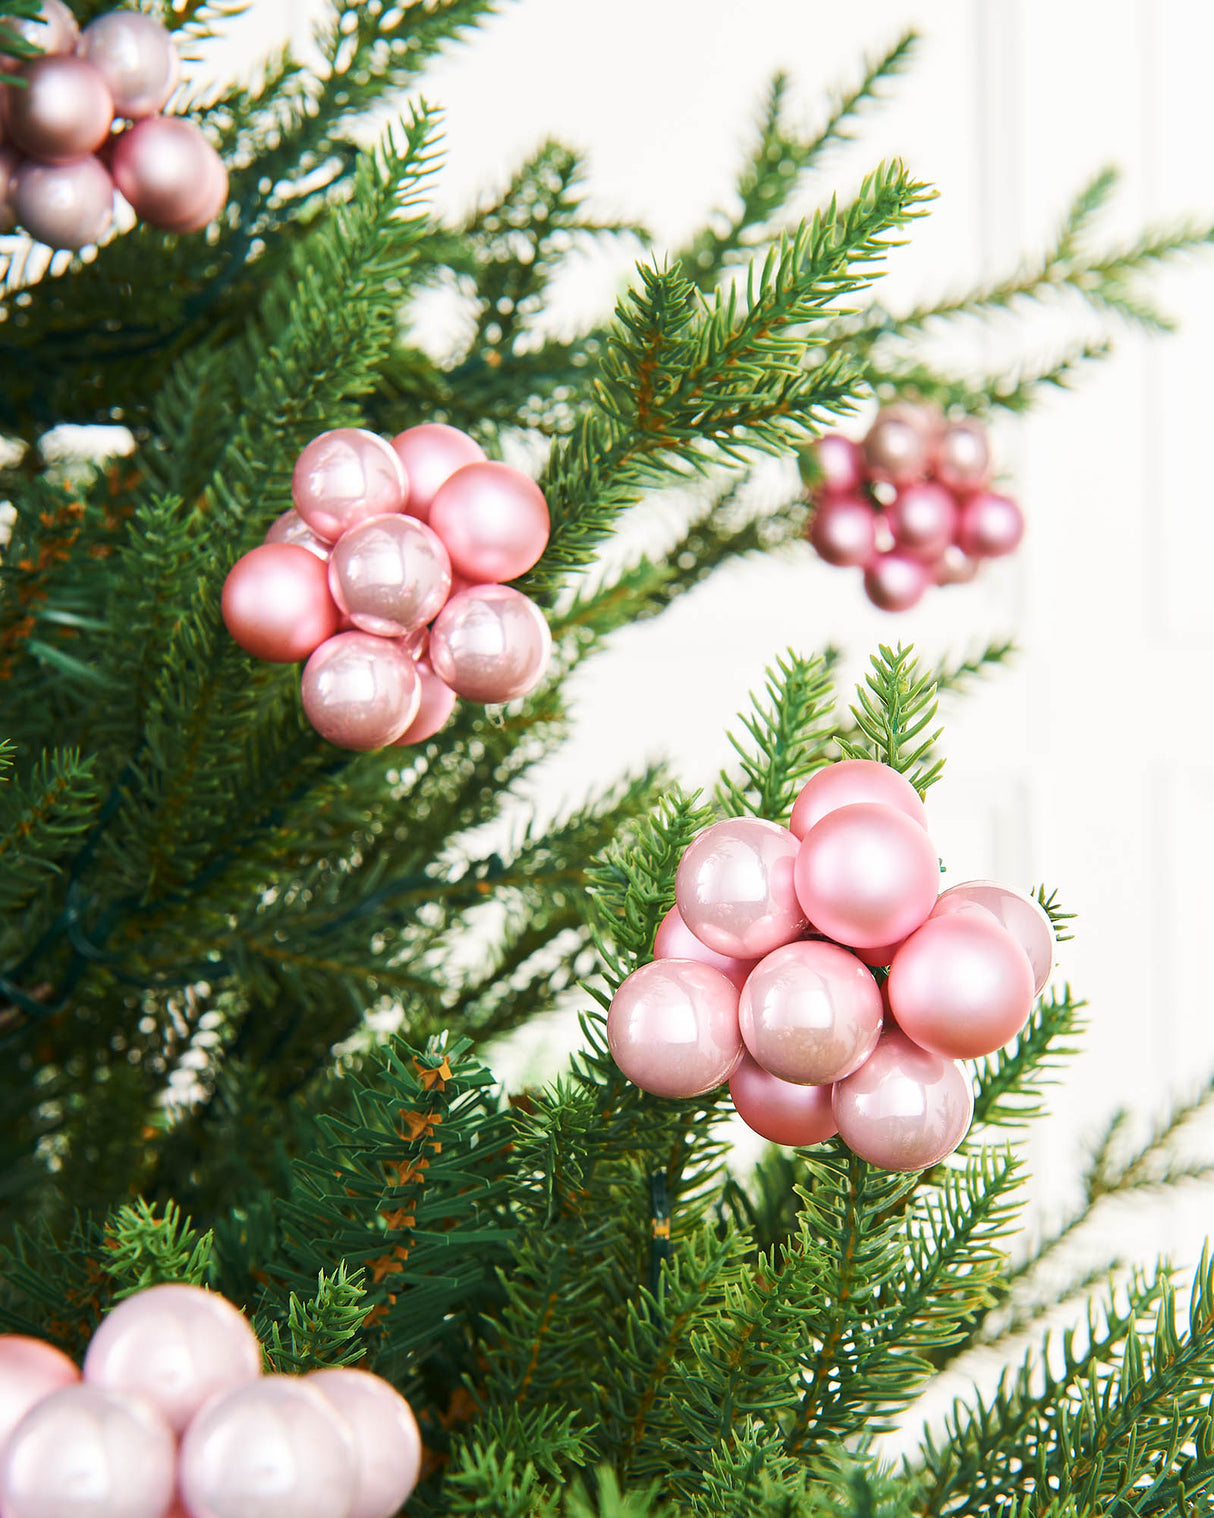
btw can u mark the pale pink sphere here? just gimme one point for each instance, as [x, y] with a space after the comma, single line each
[360, 691]
[165, 168]
[898, 444]
[878, 955]
[991, 525]
[810, 1013]
[64, 111]
[211, 197]
[387, 1442]
[88, 1452]
[840, 461]
[867, 874]
[431, 453]
[66, 205]
[275, 1448]
[493, 520]
[848, 781]
[30, 1369]
[434, 710]
[135, 56]
[672, 1028]
[1025, 919]
[954, 567]
[895, 581]
[390, 575]
[344, 476]
[417, 643]
[904, 1108]
[844, 530]
[781, 1111]
[734, 887]
[290, 527]
[923, 518]
[490, 643]
[961, 985]
[675, 940]
[276, 602]
[54, 29]
[962, 459]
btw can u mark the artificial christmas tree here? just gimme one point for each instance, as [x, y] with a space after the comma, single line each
[204, 902]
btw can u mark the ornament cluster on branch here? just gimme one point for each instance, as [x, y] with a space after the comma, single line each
[763, 974]
[911, 505]
[85, 119]
[387, 578]
[172, 1418]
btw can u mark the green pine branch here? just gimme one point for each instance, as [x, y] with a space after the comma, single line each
[895, 710]
[783, 742]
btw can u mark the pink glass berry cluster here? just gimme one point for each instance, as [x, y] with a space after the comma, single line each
[86, 119]
[386, 576]
[172, 1418]
[911, 505]
[763, 974]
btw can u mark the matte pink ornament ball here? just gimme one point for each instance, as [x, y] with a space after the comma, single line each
[781, 1111]
[67, 205]
[954, 567]
[135, 56]
[851, 780]
[1025, 919]
[276, 602]
[904, 1108]
[672, 1028]
[962, 459]
[88, 1451]
[211, 197]
[895, 581]
[165, 168]
[897, 445]
[387, 1442]
[878, 955]
[923, 519]
[390, 575]
[840, 464]
[844, 530]
[431, 453]
[991, 525]
[276, 1448]
[434, 709]
[490, 643]
[493, 520]
[734, 887]
[290, 527]
[360, 691]
[54, 29]
[345, 476]
[810, 1013]
[675, 940]
[30, 1369]
[867, 875]
[64, 111]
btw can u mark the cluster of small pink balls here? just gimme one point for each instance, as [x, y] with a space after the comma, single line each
[66, 144]
[173, 1418]
[387, 578]
[763, 974]
[911, 505]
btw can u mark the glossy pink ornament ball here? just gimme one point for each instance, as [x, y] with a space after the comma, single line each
[843, 530]
[672, 1028]
[962, 458]
[165, 168]
[734, 887]
[781, 1111]
[990, 526]
[434, 709]
[493, 520]
[490, 643]
[897, 447]
[211, 197]
[30, 1369]
[359, 691]
[904, 1108]
[954, 567]
[810, 1013]
[387, 1442]
[431, 453]
[64, 111]
[923, 519]
[135, 56]
[675, 940]
[345, 476]
[895, 581]
[390, 575]
[64, 206]
[54, 29]
[276, 602]
[867, 875]
[838, 465]
[290, 527]
[1025, 919]
[849, 781]
[88, 1452]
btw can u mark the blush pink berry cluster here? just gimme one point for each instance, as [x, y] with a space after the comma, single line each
[768, 973]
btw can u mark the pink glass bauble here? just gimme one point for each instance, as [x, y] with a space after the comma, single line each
[734, 887]
[360, 691]
[810, 1013]
[210, 199]
[672, 1028]
[390, 575]
[1025, 919]
[434, 710]
[30, 1369]
[387, 1442]
[923, 518]
[904, 1108]
[844, 530]
[344, 476]
[867, 875]
[895, 581]
[66, 205]
[431, 453]
[991, 525]
[840, 464]
[779, 1110]
[851, 780]
[275, 1448]
[675, 940]
[961, 985]
[165, 168]
[91, 1452]
[954, 567]
[276, 602]
[64, 111]
[897, 446]
[135, 56]
[290, 527]
[962, 460]
[10, 161]
[54, 29]
[417, 643]
[490, 643]
[492, 519]
[878, 955]
[174, 1346]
